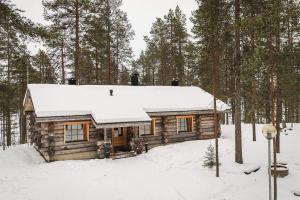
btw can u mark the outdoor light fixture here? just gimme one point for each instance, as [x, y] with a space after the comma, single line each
[269, 132]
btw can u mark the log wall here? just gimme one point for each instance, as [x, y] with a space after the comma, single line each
[48, 137]
[53, 147]
[166, 129]
[206, 126]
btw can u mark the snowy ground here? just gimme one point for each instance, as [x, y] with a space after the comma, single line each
[169, 173]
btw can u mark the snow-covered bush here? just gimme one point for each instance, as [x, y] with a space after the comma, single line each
[106, 149]
[137, 145]
[210, 157]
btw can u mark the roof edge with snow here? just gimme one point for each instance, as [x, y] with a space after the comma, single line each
[128, 104]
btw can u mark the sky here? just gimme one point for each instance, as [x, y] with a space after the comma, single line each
[141, 14]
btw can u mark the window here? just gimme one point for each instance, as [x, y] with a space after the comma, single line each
[184, 124]
[75, 132]
[148, 129]
[144, 130]
[118, 132]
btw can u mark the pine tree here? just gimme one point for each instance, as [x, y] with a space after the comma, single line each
[165, 56]
[58, 43]
[108, 41]
[70, 14]
[210, 157]
[43, 66]
[237, 75]
[13, 29]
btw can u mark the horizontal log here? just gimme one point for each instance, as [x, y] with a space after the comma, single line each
[192, 112]
[70, 151]
[207, 129]
[183, 135]
[61, 144]
[74, 146]
[207, 122]
[205, 137]
[156, 142]
[60, 140]
[150, 136]
[182, 139]
[170, 133]
[60, 119]
[207, 133]
[76, 156]
[123, 124]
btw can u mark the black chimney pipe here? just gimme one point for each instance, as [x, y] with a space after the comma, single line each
[71, 81]
[174, 82]
[135, 79]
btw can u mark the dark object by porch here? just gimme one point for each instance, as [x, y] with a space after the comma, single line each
[72, 81]
[281, 171]
[137, 145]
[255, 169]
[104, 149]
[135, 79]
[297, 194]
[175, 82]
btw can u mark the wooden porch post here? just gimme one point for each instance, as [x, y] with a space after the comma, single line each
[105, 135]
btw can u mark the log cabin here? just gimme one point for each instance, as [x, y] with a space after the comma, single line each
[67, 122]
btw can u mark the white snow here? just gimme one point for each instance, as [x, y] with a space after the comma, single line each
[128, 103]
[168, 172]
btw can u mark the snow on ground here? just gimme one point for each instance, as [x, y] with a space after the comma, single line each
[168, 172]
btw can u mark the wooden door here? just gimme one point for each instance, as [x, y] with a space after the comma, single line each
[119, 137]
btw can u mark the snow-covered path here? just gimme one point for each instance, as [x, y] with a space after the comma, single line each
[168, 172]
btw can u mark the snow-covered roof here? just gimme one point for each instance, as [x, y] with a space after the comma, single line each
[128, 103]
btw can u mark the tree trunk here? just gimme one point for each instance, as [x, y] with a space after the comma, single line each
[2, 129]
[278, 119]
[8, 127]
[108, 50]
[278, 96]
[23, 130]
[253, 118]
[215, 59]
[62, 62]
[253, 106]
[77, 47]
[117, 60]
[238, 131]
[97, 66]
[181, 65]
[273, 96]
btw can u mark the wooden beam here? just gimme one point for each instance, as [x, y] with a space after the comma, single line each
[187, 112]
[105, 135]
[122, 124]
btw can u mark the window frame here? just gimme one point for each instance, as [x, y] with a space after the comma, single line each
[86, 131]
[189, 125]
[152, 127]
[121, 131]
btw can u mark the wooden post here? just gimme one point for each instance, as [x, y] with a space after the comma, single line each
[105, 135]
[215, 113]
[216, 136]
[274, 139]
[253, 110]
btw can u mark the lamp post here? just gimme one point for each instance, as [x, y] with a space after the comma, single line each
[269, 132]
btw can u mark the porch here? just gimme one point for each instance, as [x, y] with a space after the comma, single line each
[122, 139]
